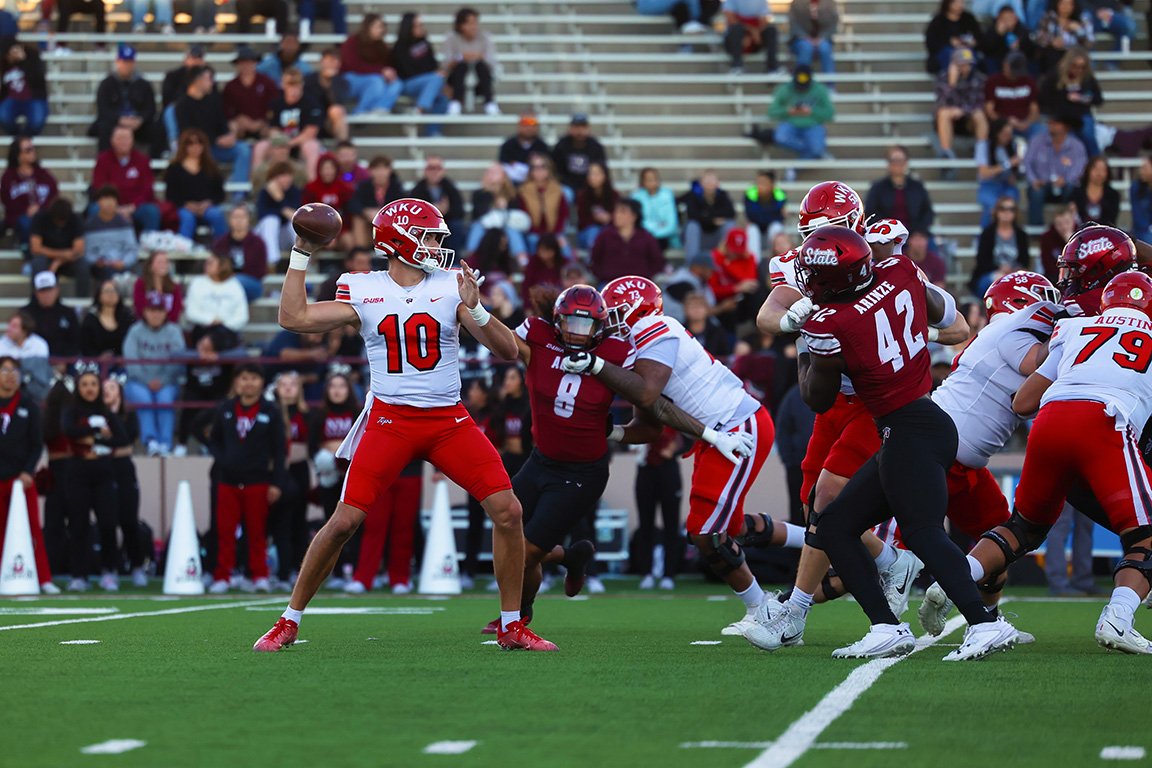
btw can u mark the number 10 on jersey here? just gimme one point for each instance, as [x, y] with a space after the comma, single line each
[417, 340]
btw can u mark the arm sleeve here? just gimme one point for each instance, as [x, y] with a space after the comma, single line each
[1050, 368]
[35, 439]
[949, 304]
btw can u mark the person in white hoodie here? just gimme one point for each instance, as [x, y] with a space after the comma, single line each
[216, 298]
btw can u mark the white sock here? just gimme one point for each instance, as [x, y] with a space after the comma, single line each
[292, 614]
[800, 599]
[887, 558]
[752, 596]
[795, 533]
[1125, 599]
[977, 568]
[507, 617]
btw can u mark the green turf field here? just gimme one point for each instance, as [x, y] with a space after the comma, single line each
[628, 687]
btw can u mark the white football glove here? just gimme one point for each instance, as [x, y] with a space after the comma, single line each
[581, 362]
[797, 315]
[736, 446]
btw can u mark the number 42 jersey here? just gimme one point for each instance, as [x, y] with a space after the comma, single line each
[411, 335]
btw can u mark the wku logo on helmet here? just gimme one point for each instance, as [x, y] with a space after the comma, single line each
[843, 194]
[401, 207]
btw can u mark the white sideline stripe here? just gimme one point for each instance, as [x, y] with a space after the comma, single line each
[717, 598]
[802, 734]
[706, 642]
[766, 744]
[168, 612]
[113, 746]
[449, 747]
[78, 642]
[488, 642]
[1122, 753]
[56, 611]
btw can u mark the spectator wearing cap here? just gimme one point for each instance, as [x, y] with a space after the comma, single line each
[25, 187]
[54, 321]
[328, 88]
[154, 385]
[271, 10]
[279, 151]
[245, 250]
[514, 152]
[56, 244]
[194, 185]
[1071, 91]
[575, 153]
[129, 172]
[289, 54]
[658, 208]
[23, 88]
[248, 96]
[1011, 95]
[709, 214]
[110, 246]
[173, 86]
[625, 248]
[749, 30]
[813, 22]
[20, 342]
[202, 108]
[952, 27]
[416, 64]
[124, 98]
[801, 108]
[1053, 164]
[436, 188]
[276, 204]
[734, 280]
[959, 105]
[333, 10]
[899, 196]
[1005, 36]
[367, 64]
[294, 114]
[468, 48]
[764, 210]
[690, 279]
[380, 188]
[161, 14]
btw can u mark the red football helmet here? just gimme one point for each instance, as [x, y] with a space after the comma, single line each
[1018, 290]
[401, 229]
[835, 264]
[1092, 257]
[1129, 289]
[831, 203]
[580, 318]
[629, 299]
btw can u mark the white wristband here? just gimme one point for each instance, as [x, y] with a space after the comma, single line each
[597, 365]
[617, 434]
[298, 259]
[709, 435]
[933, 333]
[480, 315]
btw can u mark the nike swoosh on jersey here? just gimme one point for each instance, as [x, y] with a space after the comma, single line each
[462, 418]
[437, 298]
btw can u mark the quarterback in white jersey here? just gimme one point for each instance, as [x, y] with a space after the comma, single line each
[672, 367]
[410, 318]
[1094, 395]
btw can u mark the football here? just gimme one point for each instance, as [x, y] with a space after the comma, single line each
[317, 223]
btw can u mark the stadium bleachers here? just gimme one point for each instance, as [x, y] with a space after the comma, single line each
[649, 103]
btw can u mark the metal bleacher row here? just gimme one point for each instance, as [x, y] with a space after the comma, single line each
[650, 103]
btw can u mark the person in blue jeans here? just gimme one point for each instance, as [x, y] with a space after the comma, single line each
[366, 62]
[23, 90]
[195, 185]
[154, 384]
[813, 23]
[999, 168]
[416, 64]
[162, 15]
[801, 107]
[1110, 16]
[685, 13]
[333, 10]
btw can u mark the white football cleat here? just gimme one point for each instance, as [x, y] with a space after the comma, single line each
[401, 589]
[775, 625]
[1024, 638]
[648, 582]
[594, 586]
[139, 577]
[984, 639]
[667, 583]
[881, 642]
[109, 582]
[897, 580]
[1119, 635]
[934, 610]
[49, 588]
[78, 585]
[354, 587]
[219, 587]
[262, 585]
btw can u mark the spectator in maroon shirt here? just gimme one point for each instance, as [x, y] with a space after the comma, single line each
[626, 248]
[543, 268]
[248, 96]
[351, 169]
[329, 188]
[366, 62]
[919, 250]
[156, 280]
[1012, 95]
[129, 170]
[25, 187]
[245, 250]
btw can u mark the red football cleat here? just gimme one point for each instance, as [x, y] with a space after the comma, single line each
[282, 635]
[519, 637]
[493, 627]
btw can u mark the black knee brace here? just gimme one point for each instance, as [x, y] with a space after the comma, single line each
[756, 538]
[828, 588]
[810, 535]
[1029, 536]
[993, 585]
[1130, 541]
[726, 555]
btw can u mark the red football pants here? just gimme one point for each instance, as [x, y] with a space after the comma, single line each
[716, 502]
[843, 438]
[391, 517]
[233, 504]
[43, 572]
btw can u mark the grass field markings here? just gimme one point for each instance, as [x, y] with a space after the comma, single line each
[488, 642]
[577, 598]
[363, 611]
[113, 746]
[78, 642]
[767, 744]
[802, 734]
[40, 611]
[706, 642]
[1122, 753]
[449, 747]
[141, 614]
[717, 598]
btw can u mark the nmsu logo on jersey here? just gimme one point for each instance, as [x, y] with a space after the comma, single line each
[1093, 247]
[821, 257]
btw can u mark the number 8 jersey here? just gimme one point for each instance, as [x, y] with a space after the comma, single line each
[411, 335]
[569, 410]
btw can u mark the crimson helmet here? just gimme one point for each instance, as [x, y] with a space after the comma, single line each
[580, 313]
[1129, 289]
[831, 203]
[1018, 290]
[1092, 257]
[629, 299]
[400, 228]
[835, 263]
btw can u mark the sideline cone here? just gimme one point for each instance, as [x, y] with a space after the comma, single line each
[18, 561]
[440, 573]
[182, 571]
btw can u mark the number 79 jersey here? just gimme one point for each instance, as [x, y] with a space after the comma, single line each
[411, 336]
[882, 336]
[1105, 360]
[569, 410]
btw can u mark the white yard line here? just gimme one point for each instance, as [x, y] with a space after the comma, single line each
[449, 747]
[168, 612]
[802, 734]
